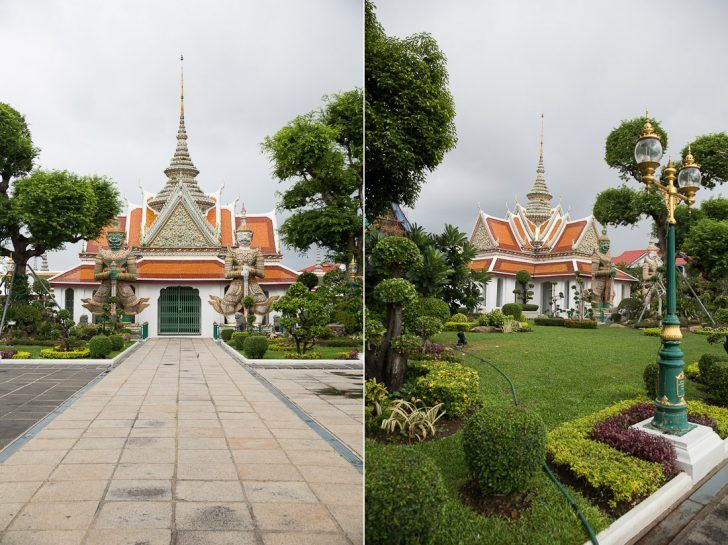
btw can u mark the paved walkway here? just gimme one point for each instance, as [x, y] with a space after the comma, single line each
[332, 397]
[179, 445]
[29, 392]
[702, 519]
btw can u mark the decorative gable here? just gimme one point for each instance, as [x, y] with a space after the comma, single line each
[181, 225]
[481, 237]
[589, 240]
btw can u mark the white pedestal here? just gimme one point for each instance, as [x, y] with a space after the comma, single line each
[698, 451]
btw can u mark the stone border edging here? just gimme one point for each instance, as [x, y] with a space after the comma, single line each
[339, 446]
[323, 363]
[114, 361]
[640, 517]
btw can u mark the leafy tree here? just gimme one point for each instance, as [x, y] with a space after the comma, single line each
[304, 314]
[409, 114]
[462, 287]
[308, 279]
[320, 154]
[435, 271]
[42, 211]
[707, 246]
[627, 205]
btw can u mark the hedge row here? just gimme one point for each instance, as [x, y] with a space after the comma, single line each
[459, 326]
[581, 324]
[555, 321]
[49, 353]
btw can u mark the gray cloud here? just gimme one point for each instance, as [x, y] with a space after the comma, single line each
[99, 84]
[586, 66]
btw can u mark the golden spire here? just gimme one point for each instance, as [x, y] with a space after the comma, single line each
[182, 86]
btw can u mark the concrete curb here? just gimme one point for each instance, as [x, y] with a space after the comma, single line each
[322, 363]
[114, 361]
[637, 519]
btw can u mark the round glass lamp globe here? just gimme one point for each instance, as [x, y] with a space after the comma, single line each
[648, 150]
[689, 177]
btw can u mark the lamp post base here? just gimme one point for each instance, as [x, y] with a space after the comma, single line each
[699, 450]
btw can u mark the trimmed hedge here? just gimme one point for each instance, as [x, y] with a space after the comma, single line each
[651, 331]
[649, 377]
[305, 356]
[458, 317]
[555, 321]
[458, 326]
[81, 354]
[117, 342]
[714, 373]
[581, 324]
[514, 310]
[405, 496]
[615, 476]
[226, 334]
[529, 307]
[21, 356]
[505, 446]
[237, 339]
[255, 347]
[452, 384]
[99, 346]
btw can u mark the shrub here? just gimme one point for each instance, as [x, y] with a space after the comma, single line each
[692, 371]
[453, 384]
[458, 317]
[458, 326]
[496, 318]
[85, 332]
[304, 356]
[504, 447]
[524, 325]
[21, 355]
[412, 421]
[616, 317]
[646, 323]
[649, 376]
[529, 307]
[427, 306]
[555, 321]
[99, 346]
[353, 355]
[49, 353]
[405, 496]
[707, 365]
[651, 331]
[395, 255]
[514, 310]
[308, 279]
[631, 306]
[7, 354]
[426, 326]
[396, 291]
[117, 342]
[616, 432]
[255, 347]
[406, 343]
[238, 339]
[715, 378]
[226, 334]
[719, 415]
[375, 392]
[344, 342]
[580, 324]
[350, 321]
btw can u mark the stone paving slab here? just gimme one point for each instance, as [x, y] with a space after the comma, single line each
[333, 398]
[179, 444]
[29, 392]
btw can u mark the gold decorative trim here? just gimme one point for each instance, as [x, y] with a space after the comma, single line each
[665, 401]
[671, 333]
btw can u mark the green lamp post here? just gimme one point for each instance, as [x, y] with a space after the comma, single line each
[670, 405]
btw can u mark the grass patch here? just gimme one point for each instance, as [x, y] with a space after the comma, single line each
[35, 350]
[563, 374]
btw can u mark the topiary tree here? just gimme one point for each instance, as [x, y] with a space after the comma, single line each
[99, 346]
[308, 279]
[427, 306]
[505, 447]
[304, 314]
[426, 327]
[395, 256]
[405, 496]
[255, 346]
[514, 310]
[524, 286]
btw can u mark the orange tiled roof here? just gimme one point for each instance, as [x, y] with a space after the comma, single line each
[174, 269]
[93, 246]
[501, 230]
[226, 228]
[135, 227]
[571, 233]
[263, 236]
[480, 264]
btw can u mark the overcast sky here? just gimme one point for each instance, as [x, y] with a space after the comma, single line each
[586, 66]
[98, 83]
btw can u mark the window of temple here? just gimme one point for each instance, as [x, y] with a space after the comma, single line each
[68, 301]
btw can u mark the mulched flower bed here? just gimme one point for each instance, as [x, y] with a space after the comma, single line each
[508, 506]
[445, 428]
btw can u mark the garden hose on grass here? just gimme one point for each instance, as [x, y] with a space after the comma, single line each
[546, 468]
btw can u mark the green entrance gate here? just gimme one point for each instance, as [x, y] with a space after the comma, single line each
[179, 311]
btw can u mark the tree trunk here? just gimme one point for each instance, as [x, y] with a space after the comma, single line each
[393, 364]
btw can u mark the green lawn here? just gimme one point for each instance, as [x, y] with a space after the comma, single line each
[562, 374]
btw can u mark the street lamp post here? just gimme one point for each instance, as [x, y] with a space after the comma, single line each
[670, 405]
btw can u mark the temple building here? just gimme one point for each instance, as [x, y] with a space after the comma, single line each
[180, 237]
[545, 241]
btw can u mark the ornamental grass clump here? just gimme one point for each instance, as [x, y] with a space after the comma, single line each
[405, 496]
[505, 447]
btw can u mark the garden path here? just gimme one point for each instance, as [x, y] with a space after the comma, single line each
[179, 444]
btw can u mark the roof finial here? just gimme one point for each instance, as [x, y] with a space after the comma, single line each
[182, 86]
[540, 148]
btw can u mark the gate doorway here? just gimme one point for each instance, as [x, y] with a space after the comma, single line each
[179, 311]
